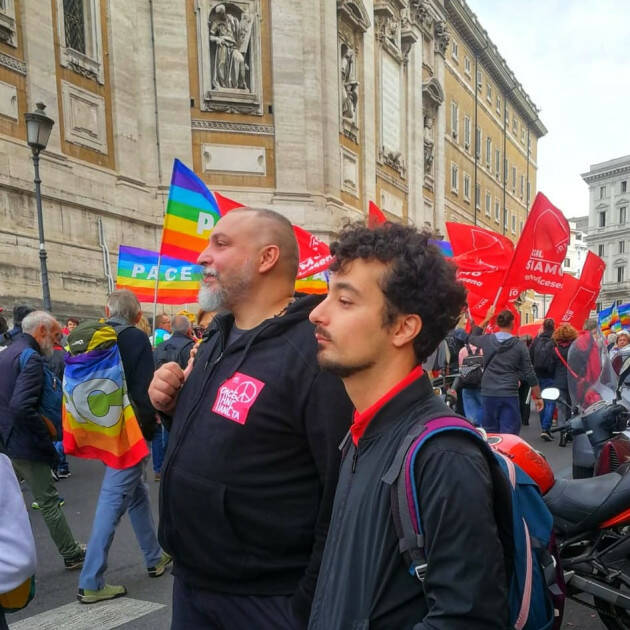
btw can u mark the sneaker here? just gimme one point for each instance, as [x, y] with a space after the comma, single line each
[157, 476]
[76, 562]
[160, 567]
[545, 435]
[35, 505]
[109, 591]
[54, 474]
[63, 474]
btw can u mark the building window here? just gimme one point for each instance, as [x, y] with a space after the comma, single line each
[478, 196]
[522, 134]
[506, 170]
[78, 24]
[479, 80]
[8, 30]
[488, 92]
[497, 211]
[602, 219]
[454, 178]
[522, 187]
[622, 215]
[622, 247]
[623, 187]
[466, 187]
[602, 192]
[520, 227]
[498, 103]
[497, 162]
[454, 120]
[567, 262]
[467, 132]
[601, 250]
[478, 143]
[529, 192]
[513, 224]
[620, 273]
[454, 50]
[74, 24]
[507, 116]
[467, 65]
[488, 204]
[506, 218]
[488, 152]
[514, 179]
[514, 125]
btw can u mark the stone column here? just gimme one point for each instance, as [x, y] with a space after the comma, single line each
[173, 102]
[440, 167]
[41, 78]
[415, 134]
[369, 92]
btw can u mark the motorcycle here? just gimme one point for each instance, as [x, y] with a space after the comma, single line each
[598, 426]
[592, 530]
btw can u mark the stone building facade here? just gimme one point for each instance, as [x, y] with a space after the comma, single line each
[609, 226]
[310, 108]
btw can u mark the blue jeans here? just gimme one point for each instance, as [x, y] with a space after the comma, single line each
[501, 414]
[471, 397]
[546, 415]
[62, 462]
[158, 447]
[121, 490]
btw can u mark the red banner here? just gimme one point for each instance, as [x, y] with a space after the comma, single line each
[482, 258]
[375, 216]
[578, 296]
[314, 253]
[540, 251]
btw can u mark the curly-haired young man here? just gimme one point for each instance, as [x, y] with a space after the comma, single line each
[392, 298]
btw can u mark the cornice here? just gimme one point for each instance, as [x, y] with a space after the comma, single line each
[232, 127]
[605, 173]
[468, 26]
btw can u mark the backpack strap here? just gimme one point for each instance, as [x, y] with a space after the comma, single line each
[25, 355]
[404, 493]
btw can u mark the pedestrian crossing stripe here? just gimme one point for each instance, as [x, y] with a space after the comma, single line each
[103, 615]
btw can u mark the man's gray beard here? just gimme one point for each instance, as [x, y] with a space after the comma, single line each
[211, 299]
[47, 351]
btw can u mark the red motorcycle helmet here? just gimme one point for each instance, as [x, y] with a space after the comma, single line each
[528, 458]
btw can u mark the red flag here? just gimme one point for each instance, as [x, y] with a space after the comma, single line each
[226, 204]
[540, 251]
[314, 253]
[482, 258]
[578, 297]
[375, 216]
[573, 304]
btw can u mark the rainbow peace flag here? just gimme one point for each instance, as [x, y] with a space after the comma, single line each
[98, 419]
[138, 270]
[604, 318]
[624, 315]
[317, 283]
[444, 247]
[191, 213]
[615, 323]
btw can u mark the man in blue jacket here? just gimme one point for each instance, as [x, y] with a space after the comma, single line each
[252, 459]
[392, 299]
[27, 440]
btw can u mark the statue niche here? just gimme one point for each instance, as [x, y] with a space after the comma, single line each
[230, 29]
[349, 84]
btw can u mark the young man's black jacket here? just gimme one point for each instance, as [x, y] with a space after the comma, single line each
[364, 582]
[252, 461]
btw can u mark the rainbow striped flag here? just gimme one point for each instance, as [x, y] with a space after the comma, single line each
[604, 318]
[98, 419]
[317, 283]
[138, 271]
[191, 213]
[624, 315]
[444, 247]
[615, 323]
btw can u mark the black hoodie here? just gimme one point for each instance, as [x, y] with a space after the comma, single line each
[252, 461]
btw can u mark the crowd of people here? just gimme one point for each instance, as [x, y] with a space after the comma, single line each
[267, 522]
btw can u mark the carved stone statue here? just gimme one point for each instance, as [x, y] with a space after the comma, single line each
[428, 142]
[229, 45]
[350, 95]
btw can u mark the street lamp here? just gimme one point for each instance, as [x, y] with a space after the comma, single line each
[38, 128]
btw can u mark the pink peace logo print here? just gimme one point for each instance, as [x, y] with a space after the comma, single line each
[236, 397]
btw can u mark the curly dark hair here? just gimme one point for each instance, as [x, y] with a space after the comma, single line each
[419, 280]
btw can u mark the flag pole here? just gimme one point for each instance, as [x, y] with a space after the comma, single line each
[155, 294]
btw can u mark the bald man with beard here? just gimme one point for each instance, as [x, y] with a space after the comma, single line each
[252, 462]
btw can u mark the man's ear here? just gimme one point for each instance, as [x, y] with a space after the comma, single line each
[268, 257]
[406, 329]
[107, 312]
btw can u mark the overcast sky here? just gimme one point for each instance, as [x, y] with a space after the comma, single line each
[573, 59]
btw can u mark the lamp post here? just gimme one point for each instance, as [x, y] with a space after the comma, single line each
[38, 128]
